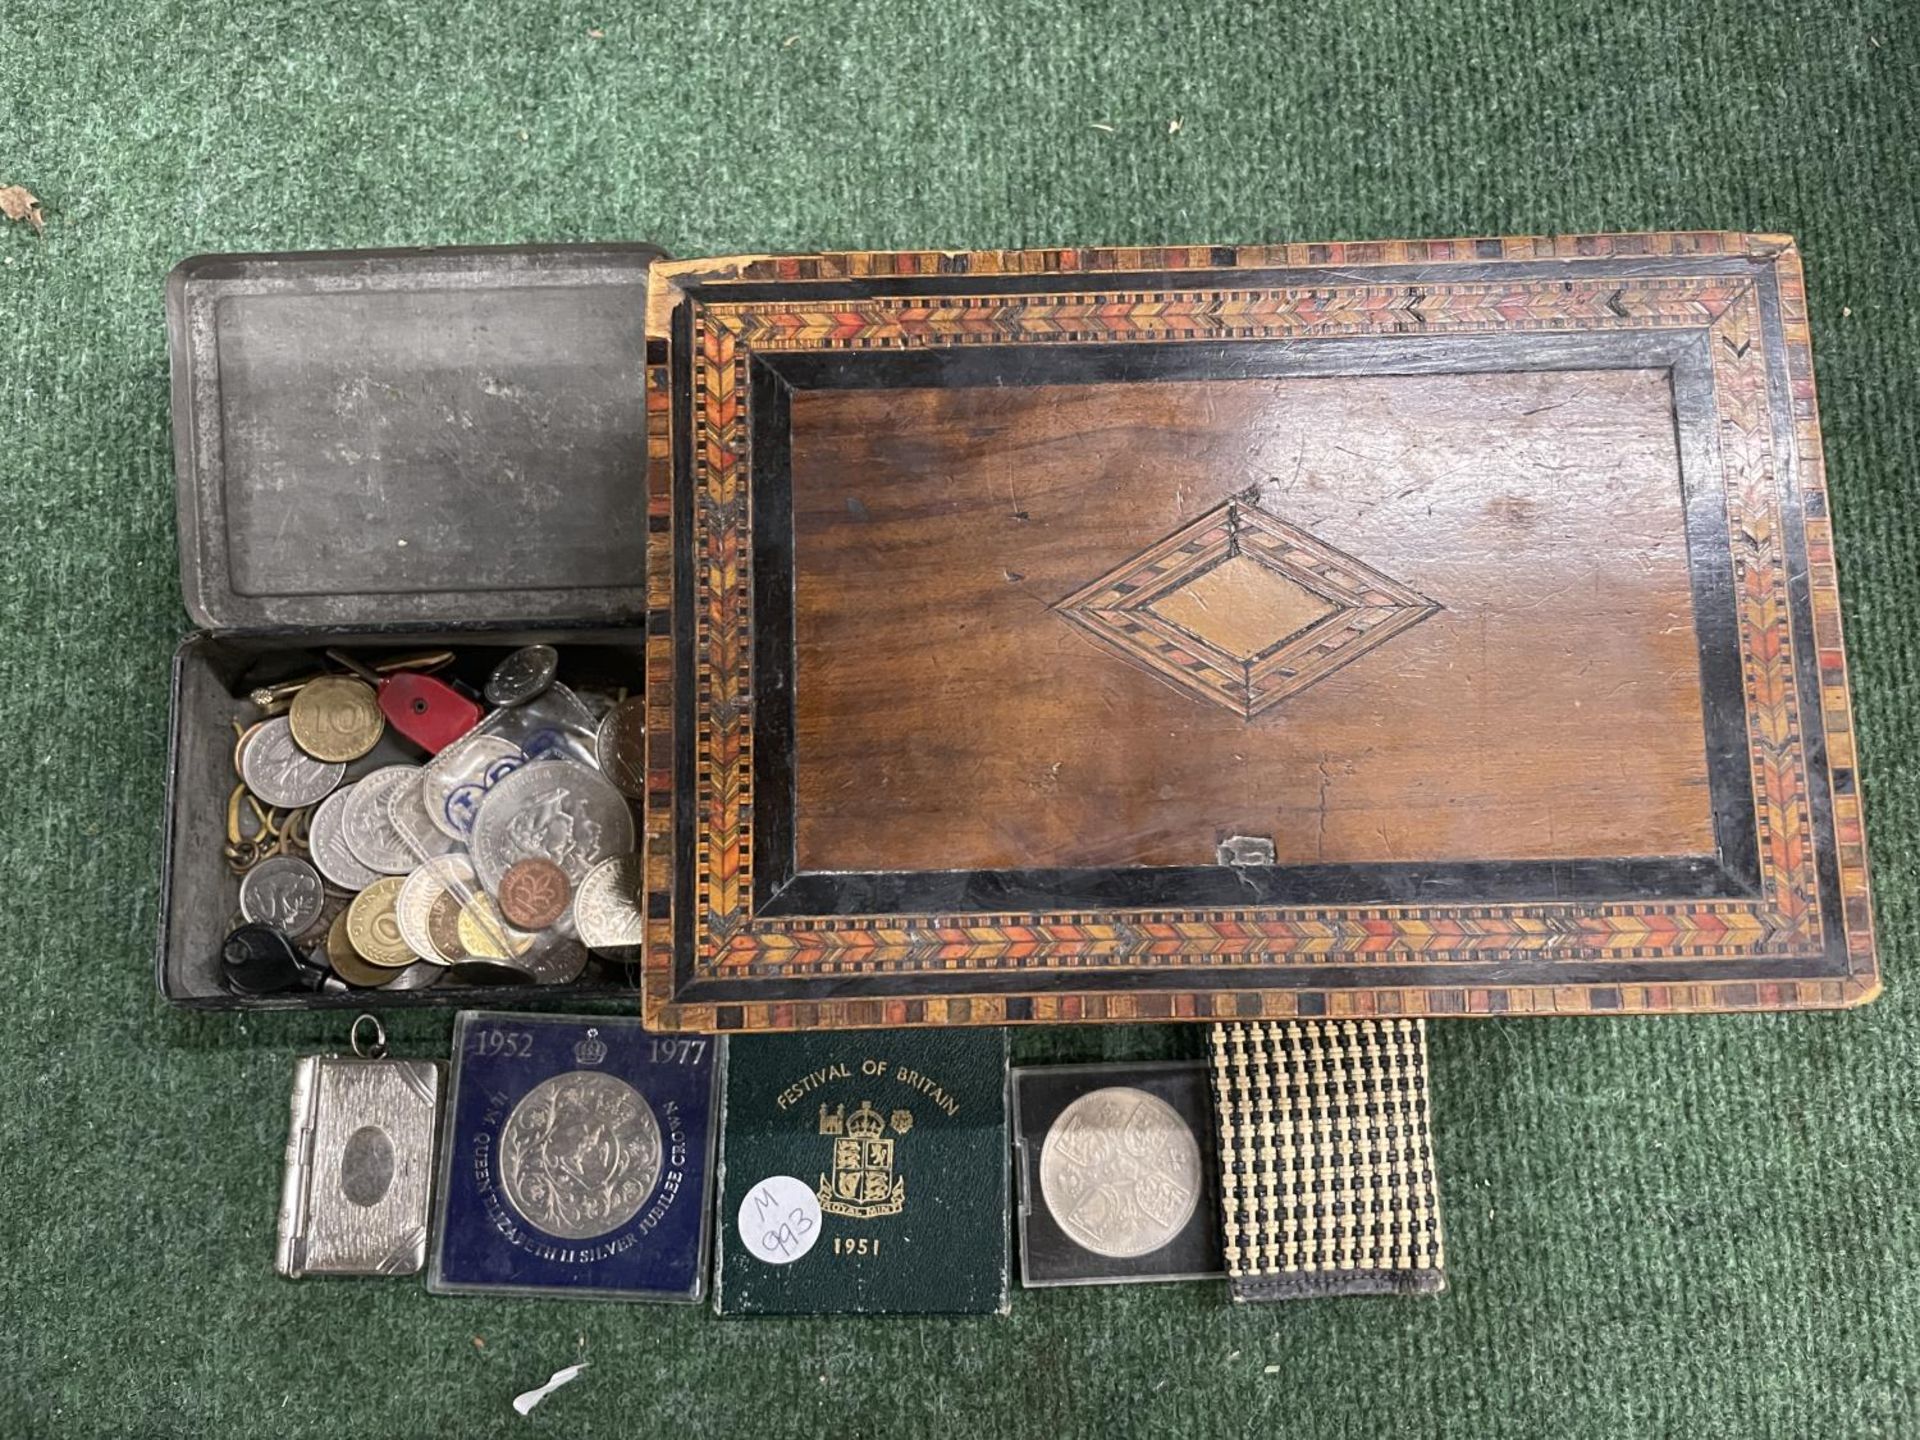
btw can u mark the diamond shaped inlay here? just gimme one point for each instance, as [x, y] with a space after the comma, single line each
[1243, 609]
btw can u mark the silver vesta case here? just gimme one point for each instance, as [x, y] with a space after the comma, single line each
[359, 1165]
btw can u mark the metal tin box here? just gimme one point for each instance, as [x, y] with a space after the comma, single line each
[388, 450]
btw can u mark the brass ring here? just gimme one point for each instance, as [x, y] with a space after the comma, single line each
[264, 814]
[293, 830]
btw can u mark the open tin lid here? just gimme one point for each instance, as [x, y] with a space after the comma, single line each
[379, 437]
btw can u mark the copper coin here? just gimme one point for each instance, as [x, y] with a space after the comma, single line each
[534, 893]
[345, 961]
[336, 718]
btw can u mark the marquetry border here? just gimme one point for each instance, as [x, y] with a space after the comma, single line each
[1063, 954]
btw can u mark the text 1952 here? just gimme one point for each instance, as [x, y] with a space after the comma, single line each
[510, 1044]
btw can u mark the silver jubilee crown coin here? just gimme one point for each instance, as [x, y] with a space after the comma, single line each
[280, 772]
[567, 812]
[579, 1154]
[579, 1159]
[284, 892]
[522, 676]
[368, 826]
[1120, 1170]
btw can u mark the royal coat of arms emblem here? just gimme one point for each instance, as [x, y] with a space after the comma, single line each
[862, 1185]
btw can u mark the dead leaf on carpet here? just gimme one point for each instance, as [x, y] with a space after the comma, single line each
[19, 203]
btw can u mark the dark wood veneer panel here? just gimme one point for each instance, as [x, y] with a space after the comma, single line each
[1550, 709]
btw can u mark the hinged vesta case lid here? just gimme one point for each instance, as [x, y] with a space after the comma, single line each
[411, 437]
[1415, 627]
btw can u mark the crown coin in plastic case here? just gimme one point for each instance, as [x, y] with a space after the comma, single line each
[1115, 1165]
[578, 1159]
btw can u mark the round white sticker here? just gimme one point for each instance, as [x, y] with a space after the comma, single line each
[779, 1219]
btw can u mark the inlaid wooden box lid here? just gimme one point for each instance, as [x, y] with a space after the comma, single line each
[1418, 628]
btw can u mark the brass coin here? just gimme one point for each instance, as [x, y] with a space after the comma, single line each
[534, 893]
[485, 936]
[336, 718]
[373, 927]
[443, 927]
[345, 962]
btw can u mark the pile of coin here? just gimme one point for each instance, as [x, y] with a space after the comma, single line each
[504, 854]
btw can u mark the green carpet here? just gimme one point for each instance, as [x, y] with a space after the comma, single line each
[1698, 1227]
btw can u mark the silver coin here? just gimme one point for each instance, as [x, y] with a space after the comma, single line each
[606, 904]
[368, 827]
[1120, 1171]
[457, 779]
[441, 874]
[416, 977]
[559, 961]
[620, 745]
[580, 1154]
[522, 676]
[564, 811]
[284, 892]
[328, 841]
[407, 814]
[280, 772]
